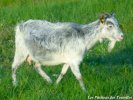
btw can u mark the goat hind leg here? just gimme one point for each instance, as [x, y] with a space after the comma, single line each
[18, 59]
[42, 73]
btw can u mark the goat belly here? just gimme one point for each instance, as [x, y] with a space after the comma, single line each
[51, 59]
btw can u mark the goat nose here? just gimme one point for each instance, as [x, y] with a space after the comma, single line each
[122, 36]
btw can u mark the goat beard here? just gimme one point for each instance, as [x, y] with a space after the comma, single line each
[111, 45]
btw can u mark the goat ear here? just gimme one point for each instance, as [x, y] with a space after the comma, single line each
[102, 19]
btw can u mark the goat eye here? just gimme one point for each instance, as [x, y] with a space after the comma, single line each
[110, 26]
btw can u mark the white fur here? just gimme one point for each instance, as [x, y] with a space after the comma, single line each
[59, 43]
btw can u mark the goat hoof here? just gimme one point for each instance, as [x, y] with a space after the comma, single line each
[15, 84]
[49, 81]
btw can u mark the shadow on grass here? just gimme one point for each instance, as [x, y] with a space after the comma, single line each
[124, 56]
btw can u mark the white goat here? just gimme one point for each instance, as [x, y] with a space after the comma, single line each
[61, 43]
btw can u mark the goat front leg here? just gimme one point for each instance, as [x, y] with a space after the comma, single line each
[63, 72]
[77, 74]
[42, 73]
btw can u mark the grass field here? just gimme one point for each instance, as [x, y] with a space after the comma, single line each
[105, 74]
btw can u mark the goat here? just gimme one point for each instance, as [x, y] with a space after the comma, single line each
[48, 43]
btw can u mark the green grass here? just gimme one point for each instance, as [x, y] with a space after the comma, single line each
[105, 74]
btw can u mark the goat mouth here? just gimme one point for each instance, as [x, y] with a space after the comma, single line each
[119, 38]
